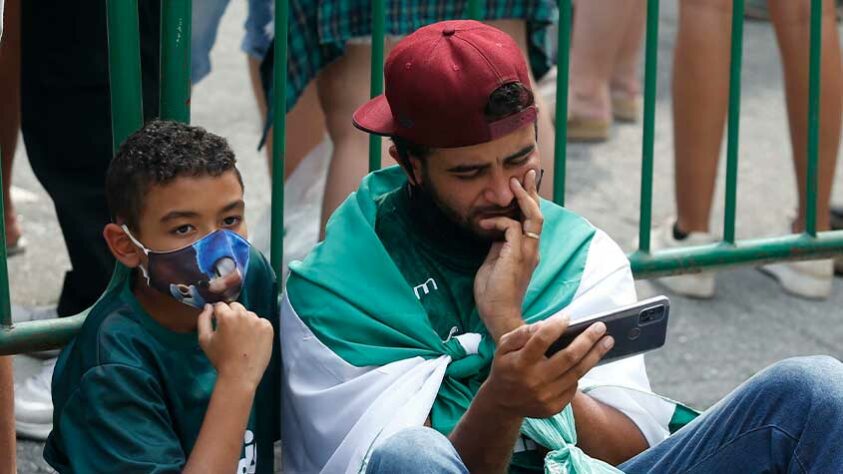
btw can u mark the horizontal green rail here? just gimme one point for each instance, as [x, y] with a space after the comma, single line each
[721, 255]
[39, 335]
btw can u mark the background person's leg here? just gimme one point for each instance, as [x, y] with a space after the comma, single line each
[700, 99]
[784, 419]
[305, 127]
[791, 19]
[626, 78]
[599, 30]
[699, 106]
[66, 123]
[416, 451]
[205, 21]
[342, 87]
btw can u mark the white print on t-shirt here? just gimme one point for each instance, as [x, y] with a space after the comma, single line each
[249, 463]
[423, 287]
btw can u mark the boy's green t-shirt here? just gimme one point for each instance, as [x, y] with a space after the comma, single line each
[440, 262]
[130, 395]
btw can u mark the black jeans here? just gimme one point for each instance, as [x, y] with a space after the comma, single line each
[66, 124]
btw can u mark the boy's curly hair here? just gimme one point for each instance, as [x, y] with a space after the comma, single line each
[157, 154]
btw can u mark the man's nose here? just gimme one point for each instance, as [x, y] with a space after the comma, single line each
[499, 191]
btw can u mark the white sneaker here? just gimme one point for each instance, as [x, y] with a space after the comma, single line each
[809, 279]
[34, 404]
[694, 285]
[25, 314]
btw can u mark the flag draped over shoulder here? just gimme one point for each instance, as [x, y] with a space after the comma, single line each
[361, 360]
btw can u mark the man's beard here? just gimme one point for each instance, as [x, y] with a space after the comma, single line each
[468, 225]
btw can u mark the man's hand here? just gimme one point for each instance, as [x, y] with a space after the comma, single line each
[240, 346]
[503, 278]
[525, 383]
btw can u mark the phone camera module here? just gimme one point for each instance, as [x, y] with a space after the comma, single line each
[651, 315]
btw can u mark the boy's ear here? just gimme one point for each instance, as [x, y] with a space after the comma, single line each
[411, 167]
[121, 246]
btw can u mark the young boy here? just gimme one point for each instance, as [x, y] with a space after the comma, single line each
[151, 384]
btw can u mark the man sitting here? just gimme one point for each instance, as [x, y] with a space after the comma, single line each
[428, 304]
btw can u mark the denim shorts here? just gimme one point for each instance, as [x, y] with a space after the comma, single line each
[206, 21]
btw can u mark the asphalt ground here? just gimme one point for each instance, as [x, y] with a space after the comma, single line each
[712, 345]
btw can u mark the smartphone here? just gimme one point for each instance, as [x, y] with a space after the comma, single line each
[636, 328]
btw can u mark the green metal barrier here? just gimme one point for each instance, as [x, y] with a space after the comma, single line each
[730, 252]
[124, 68]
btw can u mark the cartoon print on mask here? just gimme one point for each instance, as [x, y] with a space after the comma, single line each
[187, 294]
[209, 270]
[224, 257]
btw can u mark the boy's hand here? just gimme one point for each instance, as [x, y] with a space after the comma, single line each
[240, 346]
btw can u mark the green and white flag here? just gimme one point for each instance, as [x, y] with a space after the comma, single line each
[361, 360]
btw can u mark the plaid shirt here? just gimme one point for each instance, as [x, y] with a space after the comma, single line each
[319, 30]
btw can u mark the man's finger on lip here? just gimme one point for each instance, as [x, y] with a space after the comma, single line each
[500, 223]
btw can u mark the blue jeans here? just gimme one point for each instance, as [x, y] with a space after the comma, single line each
[206, 21]
[416, 451]
[788, 418]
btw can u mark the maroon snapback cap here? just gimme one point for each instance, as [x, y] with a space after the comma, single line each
[438, 83]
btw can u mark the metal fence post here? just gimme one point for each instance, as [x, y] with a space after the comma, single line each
[813, 118]
[736, 60]
[124, 69]
[376, 82]
[650, 72]
[5, 297]
[563, 56]
[279, 141]
[175, 60]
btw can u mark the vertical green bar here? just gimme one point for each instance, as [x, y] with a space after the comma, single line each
[475, 10]
[813, 118]
[175, 60]
[279, 143]
[734, 121]
[650, 65]
[5, 298]
[124, 69]
[560, 147]
[378, 27]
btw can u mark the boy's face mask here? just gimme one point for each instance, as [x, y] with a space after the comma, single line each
[210, 270]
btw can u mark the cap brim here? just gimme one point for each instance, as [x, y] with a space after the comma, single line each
[375, 116]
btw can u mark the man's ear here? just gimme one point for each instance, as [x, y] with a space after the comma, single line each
[121, 246]
[411, 167]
